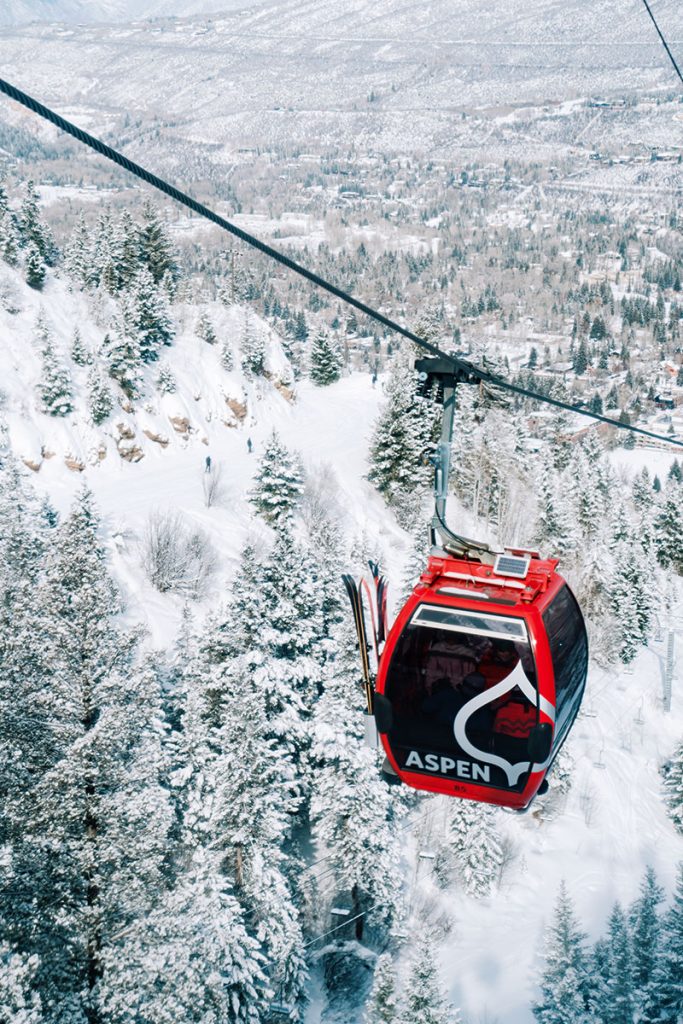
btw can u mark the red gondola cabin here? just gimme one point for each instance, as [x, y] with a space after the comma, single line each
[481, 678]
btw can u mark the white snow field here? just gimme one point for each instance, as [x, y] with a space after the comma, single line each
[599, 838]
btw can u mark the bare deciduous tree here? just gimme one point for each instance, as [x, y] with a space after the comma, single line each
[214, 491]
[175, 556]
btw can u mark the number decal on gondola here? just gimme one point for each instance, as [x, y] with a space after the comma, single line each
[516, 678]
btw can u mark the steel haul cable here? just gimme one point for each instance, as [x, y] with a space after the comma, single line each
[664, 42]
[461, 366]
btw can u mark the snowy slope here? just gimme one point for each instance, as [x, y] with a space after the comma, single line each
[150, 455]
[20, 12]
[599, 838]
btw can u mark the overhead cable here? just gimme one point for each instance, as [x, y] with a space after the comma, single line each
[465, 370]
[664, 42]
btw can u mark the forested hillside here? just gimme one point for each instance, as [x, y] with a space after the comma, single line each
[193, 828]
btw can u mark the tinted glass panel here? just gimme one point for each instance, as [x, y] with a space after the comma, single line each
[569, 651]
[447, 719]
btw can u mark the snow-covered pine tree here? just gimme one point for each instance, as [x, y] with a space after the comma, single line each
[154, 246]
[35, 266]
[151, 316]
[19, 1004]
[404, 436]
[614, 1003]
[236, 791]
[425, 1000]
[288, 663]
[235, 629]
[78, 254]
[464, 447]
[100, 398]
[668, 977]
[481, 854]
[564, 978]
[190, 958]
[253, 346]
[631, 597]
[325, 359]
[227, 356]
[127, 246]
[669, 530]
[121, 355]
[278, 485]
[9, 242]
[89, 828]
[646, 936]
[81, 355]
[255, 806]
[33, 230]
[382, 1005]
[205, 329]
[166, 382]
[55, 387]
[351, 810]
[105, 256]
[673, 787]
[555, 528]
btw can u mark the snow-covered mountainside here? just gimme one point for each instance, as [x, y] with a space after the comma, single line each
[194, 446]
[597, 829]
[384, 76]
[80, 12]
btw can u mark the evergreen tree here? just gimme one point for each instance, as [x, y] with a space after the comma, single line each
[166, 382]
[81, 355]
[151, 317]
[227, 356]
[555, 529]
[669, 530]
[632, 595]
[89, 825]
[78, 258]
[235, 630]
[615, 996]
[564, 979]
[9, 242]
[668, 976]
[154, 246]
[18, 1003]
[35, 266]
[673, 787]
[240, 788]
[481, 854]
[100, 398]
[121, 354]
[105, 256]
[646, 933]
[404, 436]
[205, 330]
[325, 360]
[351, 808]
[581, 359]
[191, 958]
[55, 386]
[34, 232]
[253, 347]
[382, 1004]
[127, 244]
[425, 1000]
[278, 485]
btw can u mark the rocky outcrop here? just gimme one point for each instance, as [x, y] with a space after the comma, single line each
[157, 438]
